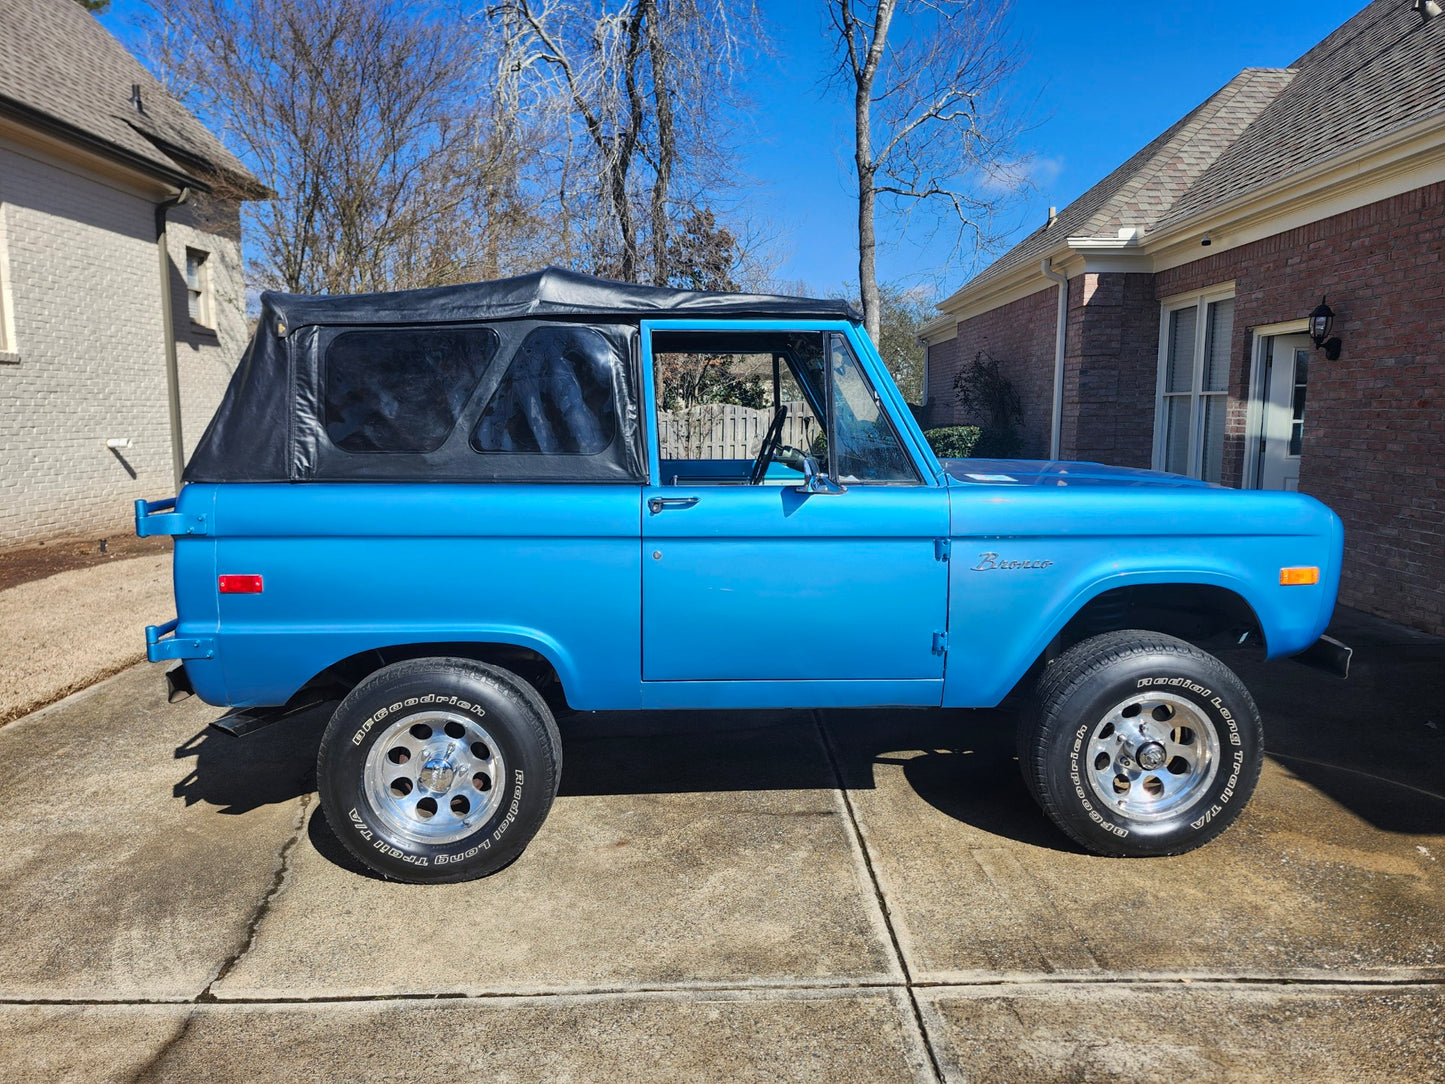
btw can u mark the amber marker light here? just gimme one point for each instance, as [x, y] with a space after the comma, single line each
[1299, 577]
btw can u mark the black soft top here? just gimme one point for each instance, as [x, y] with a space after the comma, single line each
[533, 378]
[552, 291]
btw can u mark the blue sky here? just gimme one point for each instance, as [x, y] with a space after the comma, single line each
[1099, 79]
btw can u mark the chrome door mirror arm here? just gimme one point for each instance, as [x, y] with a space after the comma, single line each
[815, 481]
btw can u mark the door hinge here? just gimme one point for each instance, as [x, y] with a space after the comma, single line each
[940, 643]
[941, 546]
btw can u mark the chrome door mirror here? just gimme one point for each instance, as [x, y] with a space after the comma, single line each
[815, 481]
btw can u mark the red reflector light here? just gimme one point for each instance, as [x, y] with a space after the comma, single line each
[240, 585]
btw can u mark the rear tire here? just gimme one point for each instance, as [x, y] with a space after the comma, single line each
[436, 770]
[1138, 744]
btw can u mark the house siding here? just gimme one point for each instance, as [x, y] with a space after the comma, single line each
[83, 284]
[1374, 433]
[1020, 335]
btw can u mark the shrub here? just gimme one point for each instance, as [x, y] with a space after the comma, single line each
[953, 441]
[985, 394]
[997, 444]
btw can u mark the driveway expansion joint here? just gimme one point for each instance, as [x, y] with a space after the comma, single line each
[742, 989]
[900, 958]
[278, 881]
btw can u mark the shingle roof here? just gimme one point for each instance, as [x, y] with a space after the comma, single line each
[1144, 188]
[59, 66]
[1378, 72]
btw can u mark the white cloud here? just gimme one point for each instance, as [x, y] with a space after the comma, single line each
[1015, 175]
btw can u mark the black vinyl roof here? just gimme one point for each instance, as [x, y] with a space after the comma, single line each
[552, 291]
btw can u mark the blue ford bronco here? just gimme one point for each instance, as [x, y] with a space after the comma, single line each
[459, 509]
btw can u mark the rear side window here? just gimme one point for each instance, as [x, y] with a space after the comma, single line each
[402, 389]
[557, 396]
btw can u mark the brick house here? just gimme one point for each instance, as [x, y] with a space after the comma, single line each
[1161, 319]
[109, 369]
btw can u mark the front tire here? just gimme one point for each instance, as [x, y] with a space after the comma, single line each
[1139, 744]
[436, 770]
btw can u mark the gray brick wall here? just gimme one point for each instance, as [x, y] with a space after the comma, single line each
[85, 360]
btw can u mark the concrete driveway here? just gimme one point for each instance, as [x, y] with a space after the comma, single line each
[731, 896]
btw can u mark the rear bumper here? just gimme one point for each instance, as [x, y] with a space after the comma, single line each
[161, 645]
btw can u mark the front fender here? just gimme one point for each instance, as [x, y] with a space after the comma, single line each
[1003, 620]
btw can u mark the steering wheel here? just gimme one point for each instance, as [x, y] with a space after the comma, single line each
[772, 441]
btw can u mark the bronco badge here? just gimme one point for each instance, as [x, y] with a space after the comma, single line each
[990, 562]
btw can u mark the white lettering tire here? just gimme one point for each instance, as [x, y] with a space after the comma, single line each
[1138, 744]
[441, 769]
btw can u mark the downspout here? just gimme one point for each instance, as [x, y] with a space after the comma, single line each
[1056, 429]
[168, 329]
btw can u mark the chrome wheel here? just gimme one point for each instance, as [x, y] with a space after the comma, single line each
[1152, 756]
[434, 777]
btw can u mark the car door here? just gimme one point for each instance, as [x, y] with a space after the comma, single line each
[770, 583]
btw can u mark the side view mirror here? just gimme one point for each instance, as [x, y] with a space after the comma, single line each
[815, 481]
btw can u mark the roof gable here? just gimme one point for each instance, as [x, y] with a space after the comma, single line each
[1375, 75]
[60, 67]
[1146, 187]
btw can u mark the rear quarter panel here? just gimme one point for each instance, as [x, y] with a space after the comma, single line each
[350, 568]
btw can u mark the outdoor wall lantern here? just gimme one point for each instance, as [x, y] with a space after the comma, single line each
[1321, 321]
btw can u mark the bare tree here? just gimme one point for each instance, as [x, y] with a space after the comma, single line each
[639, 89]
[902, 312]
[925, 77]
[369, 119]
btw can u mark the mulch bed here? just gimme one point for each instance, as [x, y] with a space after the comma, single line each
[36, 560]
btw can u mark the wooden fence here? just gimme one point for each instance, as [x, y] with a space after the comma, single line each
[725, 431]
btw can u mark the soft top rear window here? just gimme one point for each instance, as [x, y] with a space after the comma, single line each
[557, 396]
[402, 389]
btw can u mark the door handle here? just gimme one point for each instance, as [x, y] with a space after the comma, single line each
[657, 504]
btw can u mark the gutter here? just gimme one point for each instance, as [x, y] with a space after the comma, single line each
[68, 133]
[168, 329]
[1056, 428]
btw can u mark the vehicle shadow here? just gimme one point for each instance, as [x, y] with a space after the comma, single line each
[321, 836]
[272, 765]
[1374, 744]
[959, 762]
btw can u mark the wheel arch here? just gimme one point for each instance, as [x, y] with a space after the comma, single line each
[546, 671]
[1195, 606]
[1194, 611]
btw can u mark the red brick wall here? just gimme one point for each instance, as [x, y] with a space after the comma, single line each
[1021, 336]
[1111, 359]
[1374, 434]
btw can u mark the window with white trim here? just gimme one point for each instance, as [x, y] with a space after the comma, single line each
[198, 287]
[1194, 352]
